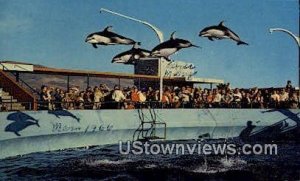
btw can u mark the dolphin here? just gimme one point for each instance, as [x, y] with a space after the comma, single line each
[18, 126]
[108, 37]
[220, 32]
[130, 56]
[20, 122]
[20, 116]
[59, 113]
[169, 47]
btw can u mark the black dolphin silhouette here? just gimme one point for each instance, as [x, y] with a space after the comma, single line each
[20, 122]
[59, 113]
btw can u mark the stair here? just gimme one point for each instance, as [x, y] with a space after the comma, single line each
[9, 103]
[15, 97]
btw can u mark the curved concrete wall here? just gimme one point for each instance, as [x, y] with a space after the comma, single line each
[34, 131]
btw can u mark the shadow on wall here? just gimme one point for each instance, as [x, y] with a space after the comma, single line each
[20, 122]
[59, 113]
[279, 131]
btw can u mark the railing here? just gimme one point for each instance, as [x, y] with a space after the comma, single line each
[81, 105]
[17, 91]
[20, 81]
[154, 104]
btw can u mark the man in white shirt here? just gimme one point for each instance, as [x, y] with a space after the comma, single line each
[118, 95]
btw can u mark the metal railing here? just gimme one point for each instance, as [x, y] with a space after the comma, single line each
[19, 80]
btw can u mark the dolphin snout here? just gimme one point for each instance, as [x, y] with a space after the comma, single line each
[202, 33]
[195, 46]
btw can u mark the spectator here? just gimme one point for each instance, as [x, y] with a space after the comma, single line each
[294, 101]
[246, 100]
[217, 98]
[184, 96]
[118, 97]
[283, 98]
[289, 85]
[188, 97]
[80, 100]
[237, 97]
[227, 99]
[134, 95]
[98, 96]
[275, 99]
[45, 97]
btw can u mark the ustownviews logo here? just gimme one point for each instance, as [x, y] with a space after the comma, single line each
[139, 148]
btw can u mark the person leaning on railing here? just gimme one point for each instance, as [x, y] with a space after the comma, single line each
[118, 97]
[98, 96]
[1, 105]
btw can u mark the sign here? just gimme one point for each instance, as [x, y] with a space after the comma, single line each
[179, 69]
[16, 67]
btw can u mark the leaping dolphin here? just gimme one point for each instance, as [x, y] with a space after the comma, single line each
[132, 55]
[108, 37]
[20, 122]
[220, 32]
[169, 47]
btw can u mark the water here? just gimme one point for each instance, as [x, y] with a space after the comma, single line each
[105, 162]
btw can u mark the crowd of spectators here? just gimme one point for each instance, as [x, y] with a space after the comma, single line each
[102, 97]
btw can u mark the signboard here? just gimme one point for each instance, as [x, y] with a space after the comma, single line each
[170, 69]
[16, 67]
[179, 69]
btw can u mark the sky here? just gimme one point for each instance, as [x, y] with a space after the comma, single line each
[52, 33]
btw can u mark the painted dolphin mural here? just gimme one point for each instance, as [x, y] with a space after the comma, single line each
[60, 113]
[220, 32]
[108, 37]
[20, 122]
[169, 47]
[132, 55]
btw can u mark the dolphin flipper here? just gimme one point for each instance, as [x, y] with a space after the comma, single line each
[17, 133]
[242, 43]
[210, 38]
[94, 45]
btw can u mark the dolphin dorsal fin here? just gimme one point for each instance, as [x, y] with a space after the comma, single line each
[221, 23]
[108, 28]
[172, 37]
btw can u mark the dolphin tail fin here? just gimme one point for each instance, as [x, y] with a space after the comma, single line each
[242, 43]
[37, 123]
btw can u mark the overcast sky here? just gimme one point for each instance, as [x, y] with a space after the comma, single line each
[52, 33]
